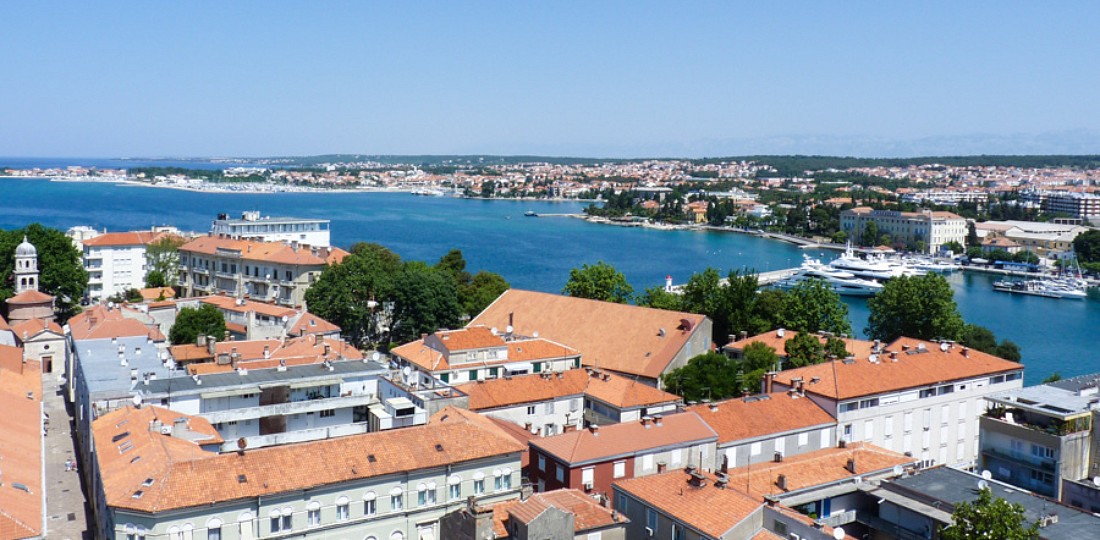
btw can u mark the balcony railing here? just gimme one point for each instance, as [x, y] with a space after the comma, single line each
[283, 409]
[1027, 460]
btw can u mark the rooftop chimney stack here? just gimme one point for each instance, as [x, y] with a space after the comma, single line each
[851, 465]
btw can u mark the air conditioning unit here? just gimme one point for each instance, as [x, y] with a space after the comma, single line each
[588, 486]
[649, 532]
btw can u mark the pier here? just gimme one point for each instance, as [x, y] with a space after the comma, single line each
[762, 278]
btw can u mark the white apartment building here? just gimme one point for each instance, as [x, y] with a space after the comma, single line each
[920, 398]
[253, 226]
[268, 271]
[1079, 205]
[932, 228]
[158, 474]
[116, 262]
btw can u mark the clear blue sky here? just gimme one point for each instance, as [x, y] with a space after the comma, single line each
[563, 78]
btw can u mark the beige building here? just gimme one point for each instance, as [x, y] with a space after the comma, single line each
[272, 272]
[933, 228]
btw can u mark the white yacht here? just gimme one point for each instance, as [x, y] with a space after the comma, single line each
[1046, 287]
[877, 268]
[843, 283]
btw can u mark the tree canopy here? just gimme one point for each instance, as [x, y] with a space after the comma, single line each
[989, 517]
[424, 300]
[813, 306]
[194, 322]
[351, 294]
[60, 267]
[600, 281]
[921, 307]
[706, 376]
[475, 292]
[163, 257]
[982, 339]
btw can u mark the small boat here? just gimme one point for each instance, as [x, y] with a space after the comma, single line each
[530, 213]
[1047, 288]
[842, 282]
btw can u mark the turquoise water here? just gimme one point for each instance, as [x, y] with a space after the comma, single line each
[537, 253]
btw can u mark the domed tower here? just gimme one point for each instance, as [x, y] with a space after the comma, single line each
[26, 267]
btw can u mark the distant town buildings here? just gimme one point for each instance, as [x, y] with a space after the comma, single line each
[253, 226]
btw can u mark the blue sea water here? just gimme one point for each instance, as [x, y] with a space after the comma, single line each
[537, 253]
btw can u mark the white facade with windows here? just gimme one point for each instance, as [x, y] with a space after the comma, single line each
[312, 232]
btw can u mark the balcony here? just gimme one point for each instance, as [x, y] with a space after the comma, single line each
[1027, 460]
[289, 408]
[1054, 427]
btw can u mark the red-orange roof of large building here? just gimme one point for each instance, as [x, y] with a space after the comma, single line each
[697, 506]
[21, 445]
[607, 442]
[272, 252]
[757, 416]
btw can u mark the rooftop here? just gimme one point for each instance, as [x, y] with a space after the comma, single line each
[427, 354]
[174, 473]
[952, 486]
[620, 337]
[814, 469]
[777, 339]
[21, 511]
[132, 238]
[916, 364]
[693, 503]
[588, 515]
[252, 378]
[104, 322]
[271, 252]
[612, 389]
[107, 366]
[626, 439]
[751, 417]
[1076, 397]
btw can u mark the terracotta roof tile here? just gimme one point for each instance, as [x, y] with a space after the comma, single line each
[304, 350]
[588, 514]
[272, 252]
[308, 323]
[422, 353]
[618, 337]
[4, 324]
[584, 446]
[857, 347]
[841, 380]
[153, 293]
[21, 444]
[814, 468]
[672, 494]
[30, 297]
[229, 303]
[183, 475]
[616, 390]
[747, 418]
[472, 337]
[101, 322]
[32, 327]
[133, 238]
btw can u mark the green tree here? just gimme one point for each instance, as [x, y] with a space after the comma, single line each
[163, 257]
[972, 239]
[155, 278]
[989, 517]
[982, 339]
[60, 267]
[454, 265]
[813, 306]
[870, 235]
[954, 247]
[600, 281]
[483, 289]
[731, 306]
[707, 376]
[657, 297]
[1053, 377]
[757, 359]
[921, 307]
[194, 322]
[424, 300]
[357, 293]
[836, 348]
[804, 349]
[1087, 246]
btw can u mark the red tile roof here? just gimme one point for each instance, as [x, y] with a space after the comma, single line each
[756, 416]
[101, 322]
[620, 337]
[814, 469]
[615, 390]
[304, 350]
[585, 446]
[30, 297]
[857, 347]
[696, 506]
[588, 515]
[133, 238]
[32, 327]
[229, 303]
[21, 444]
[185, 476]
[421, 353]
[272, 252]
[841, 380]
[309, 323]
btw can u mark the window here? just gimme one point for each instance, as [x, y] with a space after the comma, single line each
[908, 421]
[619, 469]
[945, 414]
[1042, 452]
[803, 439]
[370, 507]
[214, 529]
[479, 487]
[928, 392]
[676, 456]
[849, 407]
[825, 442]
[473, 375]
[314, 517]
[396, 503]
[847, 432]
[869, 430]
[781, 445]
[328, 414]
[754, 449]
[550, 408]
[647, 462]
[530, 410]
[588, 475]
[868, 403]
[677, 532]
[507, 478]
[621, 502]
[422, 496]
[454, 492]
[542, 462]
[560, 473]
[342, 513]
[651, 519]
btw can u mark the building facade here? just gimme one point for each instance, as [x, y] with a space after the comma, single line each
[116, 262]
[253, 226]
[905, 228]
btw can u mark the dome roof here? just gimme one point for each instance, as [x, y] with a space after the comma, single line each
[26, 249]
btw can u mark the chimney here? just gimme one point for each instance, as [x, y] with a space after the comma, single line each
[894, 356]
[905, 347]
[778, 457]
[595, 430]
[769, 378]
[511, 318]
[731, 338]
[267, 352]
[210, 345]
[713, 407]
[966, 352]
[657, 419]
[800, 387]
[851, 465]
[781, 482]
[423, 337]
[661, 467]
[721, 480]
[744, 334]
[645, 421]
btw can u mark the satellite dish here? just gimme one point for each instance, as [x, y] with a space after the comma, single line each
[1096, 480]
[535, 333]
[137, 401]
[285, 319]
[982, 484]
[494, 331]
[986, 475]
[838, 533]
[944, 346]
[898, 470]
[375, 356]
[509, 329]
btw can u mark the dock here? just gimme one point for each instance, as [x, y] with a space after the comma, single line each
[762, 278]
